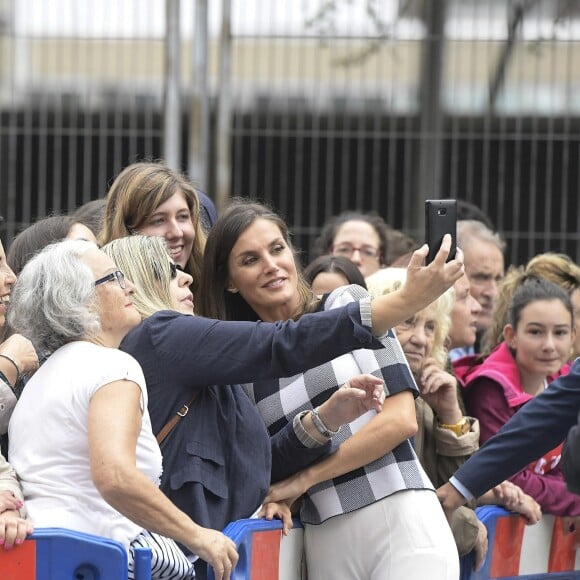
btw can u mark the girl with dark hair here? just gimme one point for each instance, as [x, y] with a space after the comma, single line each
[557, 268]
[42, 233]
[326, 273]
[537, 341]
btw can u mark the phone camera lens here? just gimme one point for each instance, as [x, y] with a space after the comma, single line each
[441, 211]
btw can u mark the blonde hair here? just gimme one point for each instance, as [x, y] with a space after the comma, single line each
[388, 280]
[137, 192]
[556, 268]
[145, 262]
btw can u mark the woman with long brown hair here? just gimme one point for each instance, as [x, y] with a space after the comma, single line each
[150, 198]
[373, 490]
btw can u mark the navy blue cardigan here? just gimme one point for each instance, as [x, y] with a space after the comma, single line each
[219, 460]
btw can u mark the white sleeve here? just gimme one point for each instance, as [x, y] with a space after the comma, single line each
[121, 366]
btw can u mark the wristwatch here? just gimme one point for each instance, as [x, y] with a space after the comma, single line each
[462, 426]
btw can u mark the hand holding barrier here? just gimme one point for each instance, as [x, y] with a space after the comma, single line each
[265, 554]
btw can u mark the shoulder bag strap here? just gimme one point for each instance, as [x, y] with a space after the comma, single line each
[168, 427]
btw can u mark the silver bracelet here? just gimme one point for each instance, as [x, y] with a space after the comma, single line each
[303, 434]
[320, 426]
[9, 358]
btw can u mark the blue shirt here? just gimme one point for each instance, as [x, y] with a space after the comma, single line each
[218, 459]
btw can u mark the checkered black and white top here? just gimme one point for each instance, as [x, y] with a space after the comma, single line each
[279, 401]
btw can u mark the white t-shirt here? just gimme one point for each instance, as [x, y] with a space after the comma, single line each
[49, 446]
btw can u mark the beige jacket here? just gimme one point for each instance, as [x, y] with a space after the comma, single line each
[441, 452]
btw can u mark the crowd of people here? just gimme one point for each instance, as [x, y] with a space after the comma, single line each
[169, 370]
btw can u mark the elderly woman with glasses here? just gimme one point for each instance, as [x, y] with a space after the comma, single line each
[80, 436]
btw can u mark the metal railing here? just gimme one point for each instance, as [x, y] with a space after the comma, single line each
[313, 107]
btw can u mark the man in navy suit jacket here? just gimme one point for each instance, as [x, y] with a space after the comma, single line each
[540, 425]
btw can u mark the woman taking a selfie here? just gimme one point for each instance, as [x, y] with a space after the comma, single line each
[373, 490]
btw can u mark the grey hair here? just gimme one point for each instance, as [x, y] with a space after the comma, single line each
[471, 230]
[54, 300]
[387, 280]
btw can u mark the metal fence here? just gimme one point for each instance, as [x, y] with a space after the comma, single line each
[311, 106]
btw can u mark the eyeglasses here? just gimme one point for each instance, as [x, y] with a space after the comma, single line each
[347, 250]
[118, 275]
[174, 269]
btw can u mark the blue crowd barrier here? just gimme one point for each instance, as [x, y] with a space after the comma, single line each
[265, 554]
[515, 550]
[61, 554]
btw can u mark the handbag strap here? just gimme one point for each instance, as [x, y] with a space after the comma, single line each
[168, 427]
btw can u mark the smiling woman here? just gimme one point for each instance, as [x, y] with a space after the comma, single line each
[7, 280]
[250, 273]
[150, 198]
[17, 354]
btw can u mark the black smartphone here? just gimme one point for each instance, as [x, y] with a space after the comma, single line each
[440, 219]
